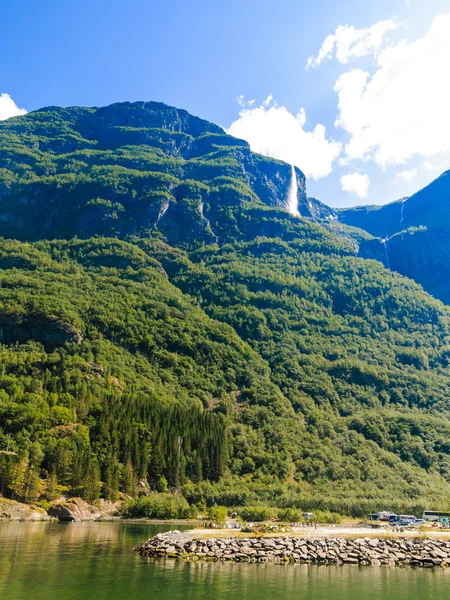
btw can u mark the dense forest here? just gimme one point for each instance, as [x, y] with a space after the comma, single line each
[165, 324]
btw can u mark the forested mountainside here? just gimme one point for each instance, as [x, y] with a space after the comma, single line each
[126, 169]
[411, 235]
[163, 317]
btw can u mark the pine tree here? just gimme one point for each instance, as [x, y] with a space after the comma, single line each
[91, 481]
[111, 479]
[7, 470]
[129, 480]
[32, 485]
[51, 488]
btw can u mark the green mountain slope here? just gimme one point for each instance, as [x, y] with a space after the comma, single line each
[127, 168]
[198, 335]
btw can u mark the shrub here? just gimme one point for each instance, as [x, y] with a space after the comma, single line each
[290, 515]
[158, 506]
[218, 514]
[257, 513]
[327, 517]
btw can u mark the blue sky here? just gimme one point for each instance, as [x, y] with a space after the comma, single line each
[202, 56]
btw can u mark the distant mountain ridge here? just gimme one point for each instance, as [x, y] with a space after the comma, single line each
[412, 235]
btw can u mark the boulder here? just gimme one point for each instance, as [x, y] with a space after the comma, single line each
[76, 509]
[10, 510]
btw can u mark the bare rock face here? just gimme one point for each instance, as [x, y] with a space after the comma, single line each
[10, 510]
[76, 509]
[49, 331]
[314, 209]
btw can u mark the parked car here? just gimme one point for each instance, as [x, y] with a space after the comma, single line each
[419, 522]
[393, 519]
[405, 523]
[385, 515]
[396, 519]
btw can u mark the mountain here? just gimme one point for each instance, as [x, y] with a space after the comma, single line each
[164, 318]
[410, 235]
[125, 169]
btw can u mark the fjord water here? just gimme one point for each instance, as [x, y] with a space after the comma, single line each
[81, 561]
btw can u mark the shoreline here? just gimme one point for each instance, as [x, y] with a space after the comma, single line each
[323, 531]
[198, 532]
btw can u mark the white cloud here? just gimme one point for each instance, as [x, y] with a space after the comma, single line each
[273, 131]
[356, 183]
[8, 108]
[428, 166]
[402, 110]
[349, 42]
[408, 176]
[243, 102]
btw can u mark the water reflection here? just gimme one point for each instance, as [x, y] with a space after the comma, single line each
[79, 561]
[230, 580]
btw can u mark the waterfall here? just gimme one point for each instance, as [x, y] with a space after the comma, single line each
[401, 212]
[202, 214]
[207, 221]
[162, 211]
[384, 242]
[292, 199]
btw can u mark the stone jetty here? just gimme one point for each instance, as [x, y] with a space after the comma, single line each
[428, 552]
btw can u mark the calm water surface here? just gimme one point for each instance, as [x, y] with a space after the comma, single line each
[81, 561]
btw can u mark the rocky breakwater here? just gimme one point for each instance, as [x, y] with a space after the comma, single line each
[340, 551]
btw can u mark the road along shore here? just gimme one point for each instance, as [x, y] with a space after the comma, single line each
[391, 551]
